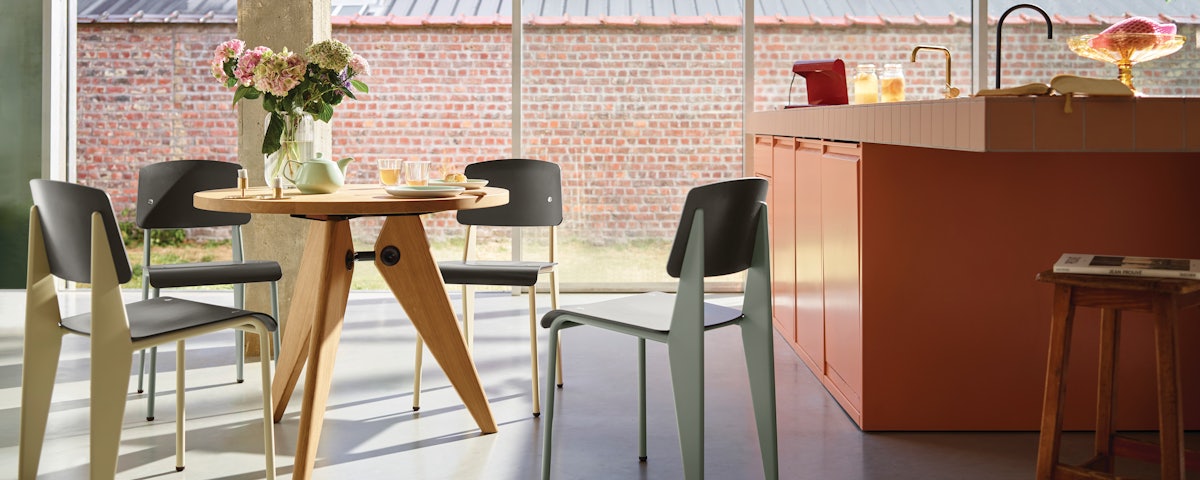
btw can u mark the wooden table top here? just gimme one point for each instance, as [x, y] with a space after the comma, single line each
[350, 200]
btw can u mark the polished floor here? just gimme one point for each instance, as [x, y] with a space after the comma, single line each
[371, 432]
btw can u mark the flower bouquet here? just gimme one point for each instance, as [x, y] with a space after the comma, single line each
[293, 87]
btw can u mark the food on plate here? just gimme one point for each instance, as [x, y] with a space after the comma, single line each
[454, 178]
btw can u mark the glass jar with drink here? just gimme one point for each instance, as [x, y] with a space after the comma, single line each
[891, 83]
[866, 84]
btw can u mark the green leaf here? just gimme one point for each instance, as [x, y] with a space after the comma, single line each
[360, 86]
[231, 82]
[274, 131]
[326, 112]
[348, 93]
[240, 93]
[270, 106]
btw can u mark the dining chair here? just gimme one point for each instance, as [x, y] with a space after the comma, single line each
[534, 200]
[165, 202]
[723, 230]
[73, 236]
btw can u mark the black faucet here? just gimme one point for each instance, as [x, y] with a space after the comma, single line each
[1000, 31]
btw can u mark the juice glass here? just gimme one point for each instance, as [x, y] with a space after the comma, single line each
[866, 84]
[416, 172]
[389, 171]
[891, 83]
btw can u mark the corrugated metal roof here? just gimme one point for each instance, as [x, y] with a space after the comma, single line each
[823, 12]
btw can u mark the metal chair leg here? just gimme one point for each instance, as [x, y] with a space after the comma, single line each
[533, 351]
[275, 313]
[268, 415]
[548, 420]
[642, 400]
[180, 389]
[151, 386]
[420, 348]
[110, 379]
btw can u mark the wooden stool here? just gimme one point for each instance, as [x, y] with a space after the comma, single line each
[1162, 297]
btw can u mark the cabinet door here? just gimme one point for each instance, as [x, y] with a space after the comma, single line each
[840, 242]
[783, 255]
[810, 284]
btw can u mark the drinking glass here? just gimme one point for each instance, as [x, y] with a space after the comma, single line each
[389, 171]
[416, 172]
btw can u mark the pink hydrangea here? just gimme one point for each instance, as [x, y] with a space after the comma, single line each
[245, 66]
[278, 73]
[358, 65]
[225, 51]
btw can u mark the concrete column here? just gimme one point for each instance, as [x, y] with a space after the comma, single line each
[294, 24]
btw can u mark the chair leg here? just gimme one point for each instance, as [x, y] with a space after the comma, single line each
[152, 372]
[239, 337]
[687, 383]
[268, 415]
[40, 363]
[151, 384]
[275, 314]
[180, 388]
[468, 330]
[110, 378]
[548, 420]
[533, 350]
[554, 306]
[141, 370]
[758, 346]
[642, 400]
[420, 348]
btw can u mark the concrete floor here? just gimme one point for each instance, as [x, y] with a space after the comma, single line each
[370, 430]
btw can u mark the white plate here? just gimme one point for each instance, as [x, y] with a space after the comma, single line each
[470, 184]
[424, 191]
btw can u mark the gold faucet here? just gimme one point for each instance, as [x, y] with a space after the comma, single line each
[951, 91]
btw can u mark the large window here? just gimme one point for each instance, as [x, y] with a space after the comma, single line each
[638, 101]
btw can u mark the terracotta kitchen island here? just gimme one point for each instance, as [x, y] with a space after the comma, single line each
[906, 238]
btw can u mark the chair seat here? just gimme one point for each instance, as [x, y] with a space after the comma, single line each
[648, 311]
[213, 273]
[163, 315]
[482, 272]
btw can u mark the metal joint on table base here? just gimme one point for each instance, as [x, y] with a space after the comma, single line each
[389, 255]
[353, 256]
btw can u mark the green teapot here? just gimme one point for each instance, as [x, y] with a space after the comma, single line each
[319, 175]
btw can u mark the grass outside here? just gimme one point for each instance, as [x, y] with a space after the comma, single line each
[580, 263]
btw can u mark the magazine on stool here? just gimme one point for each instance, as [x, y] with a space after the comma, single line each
[1127, 266]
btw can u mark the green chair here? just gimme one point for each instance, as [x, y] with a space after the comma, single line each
[723, 230]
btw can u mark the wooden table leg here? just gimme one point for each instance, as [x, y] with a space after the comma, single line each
[403, 258]
[1170, 398]
[314, 327]
[1050, 438]
[1106, 398]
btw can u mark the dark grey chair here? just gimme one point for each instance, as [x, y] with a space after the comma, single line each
[723, 230]
[73, 236]
[534, 200]
[164, 202]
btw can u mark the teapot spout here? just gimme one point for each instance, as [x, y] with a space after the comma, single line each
[342, 164]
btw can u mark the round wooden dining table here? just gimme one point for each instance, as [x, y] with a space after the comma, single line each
[318, 304]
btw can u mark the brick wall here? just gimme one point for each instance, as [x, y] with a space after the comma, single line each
[634, 115]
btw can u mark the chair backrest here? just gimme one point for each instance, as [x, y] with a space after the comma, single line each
[165, 192]
[731, 211]
[534, 193]
[65, 210]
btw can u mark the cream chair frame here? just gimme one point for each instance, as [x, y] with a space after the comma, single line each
[112, 349]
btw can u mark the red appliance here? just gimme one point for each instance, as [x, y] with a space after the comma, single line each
[825, 80]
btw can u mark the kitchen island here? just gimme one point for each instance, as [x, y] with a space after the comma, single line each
[906, 238]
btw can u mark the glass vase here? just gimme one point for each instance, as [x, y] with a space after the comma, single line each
[295, 147]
